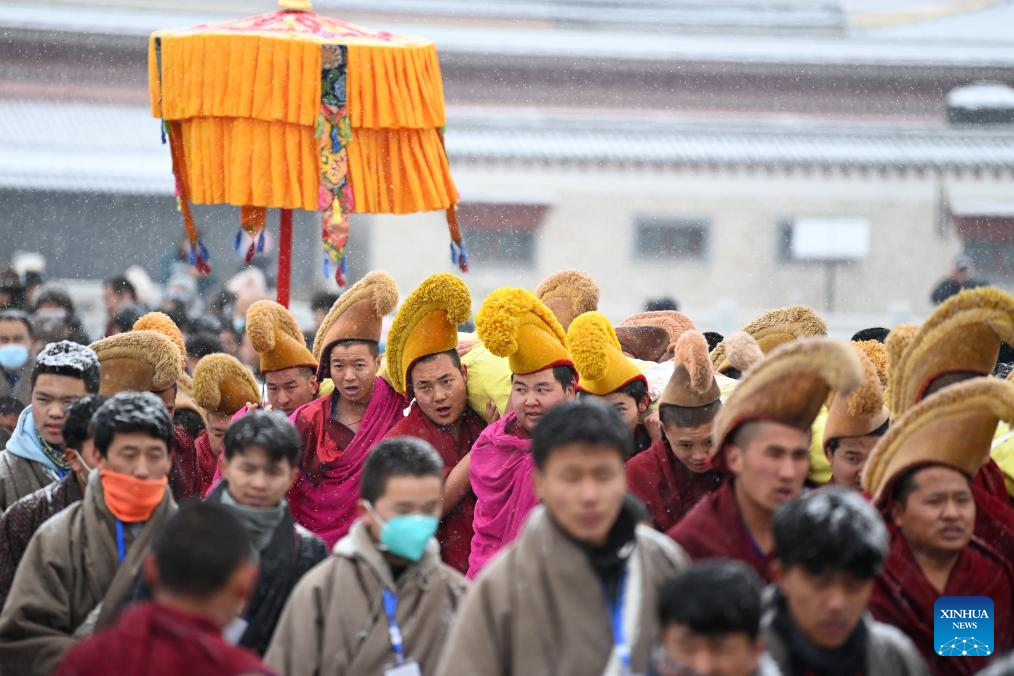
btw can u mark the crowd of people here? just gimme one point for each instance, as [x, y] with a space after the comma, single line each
[549, 493]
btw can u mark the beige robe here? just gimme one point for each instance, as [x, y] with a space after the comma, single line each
[69, 582]
[18, 478]
[539, 608]
[334, 622]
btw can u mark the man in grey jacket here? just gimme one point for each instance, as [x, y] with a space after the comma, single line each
[830, 546]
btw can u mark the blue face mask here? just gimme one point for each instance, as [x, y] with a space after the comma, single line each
[238, 324]
[406, 535]
[13, 356]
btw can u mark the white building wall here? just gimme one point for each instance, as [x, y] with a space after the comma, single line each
[590, 225]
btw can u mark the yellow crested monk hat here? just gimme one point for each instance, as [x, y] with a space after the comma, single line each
[652, 336]
[567, 294]
[601, 366]
[692, 384]
[142, 361]
[962, 336]
[774, 328]
[513, 323]
[953, 427]
[789, 386]
[862, 412]
[358, 314]
[223, 385]
[276, 337]
[426, 323]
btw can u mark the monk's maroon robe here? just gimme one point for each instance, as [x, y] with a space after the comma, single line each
[715, 529]
[904, 597]
[664, 484]
[455, 532]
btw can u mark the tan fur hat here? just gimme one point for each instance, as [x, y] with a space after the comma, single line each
[742, 351]
[773, 328]
[692, 383]
[184, 398]
[862, 412]
[567, 294]
[358, 314]
[142, 361]
[223, 385]
[962, 336]
[790, 385]
[274, 333]
[953, 427]
[647, 343]
[163, 323]
[672, 322]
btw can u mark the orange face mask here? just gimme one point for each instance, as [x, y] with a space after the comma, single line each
[129, 499]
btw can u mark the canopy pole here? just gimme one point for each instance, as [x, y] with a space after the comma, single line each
[284, 256]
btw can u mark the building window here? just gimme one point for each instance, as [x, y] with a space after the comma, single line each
[664, 239]
[501, 247]
[987, 230]
[504, 234]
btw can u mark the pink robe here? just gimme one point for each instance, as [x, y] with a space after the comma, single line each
[323, 499]
[501, 477]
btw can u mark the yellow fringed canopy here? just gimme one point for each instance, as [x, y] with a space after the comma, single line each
[245, 96]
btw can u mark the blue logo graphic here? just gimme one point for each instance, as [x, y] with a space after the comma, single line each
[963, 626]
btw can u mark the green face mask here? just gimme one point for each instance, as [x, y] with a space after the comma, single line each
[406, 535]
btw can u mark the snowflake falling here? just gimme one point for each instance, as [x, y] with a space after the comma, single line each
[963, 647]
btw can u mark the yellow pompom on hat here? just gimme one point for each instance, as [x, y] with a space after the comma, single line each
[223, 385]
[789, 386]
[953, 427]
[358, 314]
[513, 323]
[673, 324]
[276, 337]
[426, 323]
[862, 412]
[963, 335]
[142, 361]
[774, 328]
[568, 294]
[601, 366]
[163, 323]
[693, 383]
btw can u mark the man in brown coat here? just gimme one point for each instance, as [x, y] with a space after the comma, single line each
[63, 373]
[19, 523]
[80, 565]
[383, 598]
[577, 593]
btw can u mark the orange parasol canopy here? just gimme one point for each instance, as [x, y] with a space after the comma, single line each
[295, 110]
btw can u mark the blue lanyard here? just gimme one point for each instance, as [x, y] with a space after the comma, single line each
[390, 606]
[619, 639]
[121, 549]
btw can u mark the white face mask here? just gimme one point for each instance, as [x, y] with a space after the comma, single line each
[88, 470]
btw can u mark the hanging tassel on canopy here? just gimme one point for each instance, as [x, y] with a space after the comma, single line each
[252, 221]
[199, 257]
[458, 254]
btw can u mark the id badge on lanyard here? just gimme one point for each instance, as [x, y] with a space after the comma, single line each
[619, 636]
[402, 667]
